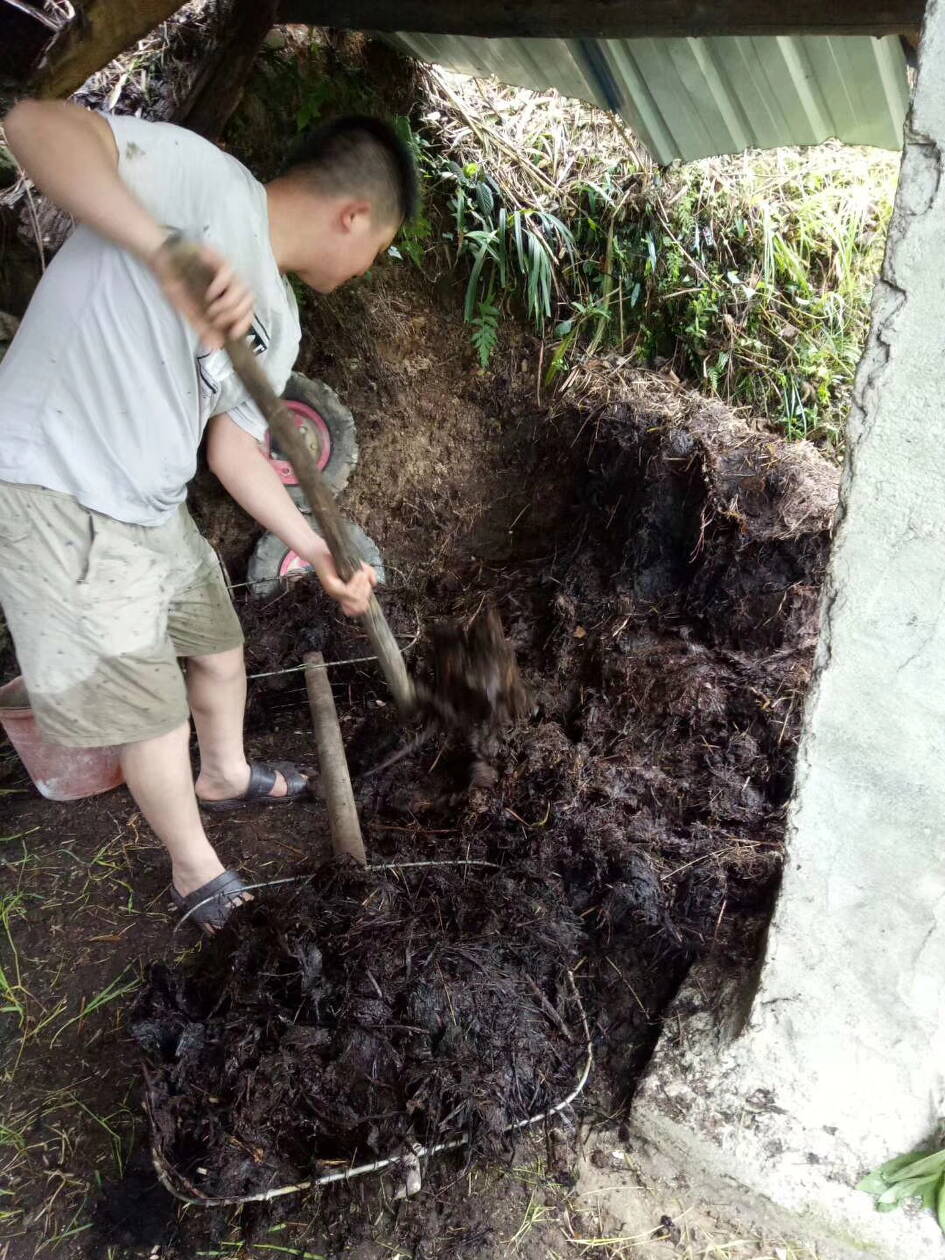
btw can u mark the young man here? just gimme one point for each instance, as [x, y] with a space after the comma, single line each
[105, 394]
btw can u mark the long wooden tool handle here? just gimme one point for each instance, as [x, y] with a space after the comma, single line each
[347, 560]
[291, 442]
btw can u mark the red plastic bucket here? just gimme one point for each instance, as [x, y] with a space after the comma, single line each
[60, 774]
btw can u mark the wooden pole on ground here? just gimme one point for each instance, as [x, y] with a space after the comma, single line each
[346, 839]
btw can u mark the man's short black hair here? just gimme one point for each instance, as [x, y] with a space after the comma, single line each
[361, 157]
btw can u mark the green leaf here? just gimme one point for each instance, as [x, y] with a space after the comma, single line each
[914, 1187]
[519, 246]
[486, 333]
[917, 1165]
[502, 241]
[459, 205]
[562, 230]
[939, 1204]
[485, 198]
[557, 359]
[472, 287]
[875, 1182]
[930, 1195]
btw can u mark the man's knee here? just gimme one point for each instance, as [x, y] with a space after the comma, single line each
[170, 742]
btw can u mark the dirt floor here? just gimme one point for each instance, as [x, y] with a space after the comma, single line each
[656, 565]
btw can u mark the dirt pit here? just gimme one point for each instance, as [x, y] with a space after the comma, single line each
[660, 589]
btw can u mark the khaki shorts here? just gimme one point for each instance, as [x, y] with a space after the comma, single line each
[100, 610]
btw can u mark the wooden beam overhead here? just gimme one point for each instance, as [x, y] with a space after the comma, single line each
[612, 19]
[100, 31]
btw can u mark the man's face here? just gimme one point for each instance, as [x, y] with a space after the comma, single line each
[349, 246]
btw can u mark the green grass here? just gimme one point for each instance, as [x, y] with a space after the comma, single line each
[748, 276]
[12, 993]
[117, 988]
[30, 1014]
[536, 1213]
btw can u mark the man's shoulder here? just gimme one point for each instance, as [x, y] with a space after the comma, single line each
[143, 142]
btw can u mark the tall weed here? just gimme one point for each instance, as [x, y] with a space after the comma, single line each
[750, 276]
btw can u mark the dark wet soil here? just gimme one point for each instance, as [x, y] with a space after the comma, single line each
[663, 610]
[655, 563]
[357, 1016]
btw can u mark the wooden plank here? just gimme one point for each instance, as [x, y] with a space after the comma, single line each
[104, 28]
[612, 19]
[101, 30]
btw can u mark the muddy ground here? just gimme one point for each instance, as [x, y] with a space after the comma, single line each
[656, 564]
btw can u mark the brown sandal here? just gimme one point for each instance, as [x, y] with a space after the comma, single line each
[209, 906]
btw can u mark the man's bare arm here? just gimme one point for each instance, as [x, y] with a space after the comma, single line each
[71, 156]
[235, 457]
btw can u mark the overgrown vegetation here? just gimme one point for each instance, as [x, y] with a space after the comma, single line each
[747, 276]
[750, 276]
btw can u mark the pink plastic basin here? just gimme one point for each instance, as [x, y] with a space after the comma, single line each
[60, 774]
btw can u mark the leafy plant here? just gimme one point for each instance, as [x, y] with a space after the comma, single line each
[486, 334]
[515, 256]
[919, 1175]
[316, 96]
[750, 276]
[414, 237]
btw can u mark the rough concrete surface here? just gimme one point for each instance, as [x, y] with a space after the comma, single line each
[638, 1214]
[839, 1065]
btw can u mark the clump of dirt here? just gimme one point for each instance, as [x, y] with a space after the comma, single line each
[666, 636]
[348, 1018]
[477, 683]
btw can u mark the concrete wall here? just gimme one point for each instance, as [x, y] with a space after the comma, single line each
[841, 1062]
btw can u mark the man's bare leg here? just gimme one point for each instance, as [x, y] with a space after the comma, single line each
[159, 778]
[216, 690]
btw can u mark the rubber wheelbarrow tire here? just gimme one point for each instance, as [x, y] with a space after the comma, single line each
[269, 555]
[340, 422]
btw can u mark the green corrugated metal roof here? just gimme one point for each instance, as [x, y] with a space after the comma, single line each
[691, 98]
